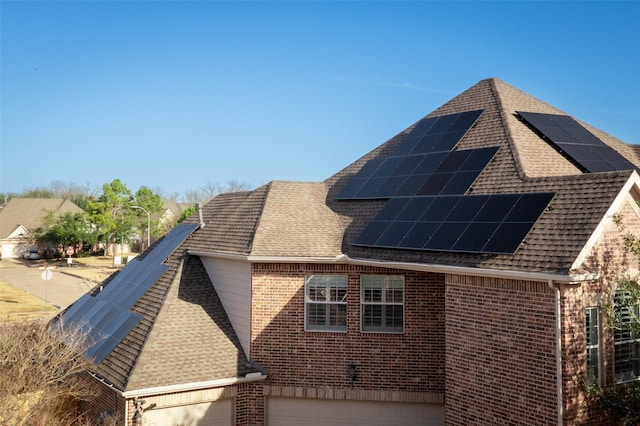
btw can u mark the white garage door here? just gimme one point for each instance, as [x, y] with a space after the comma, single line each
[205, 414]
[11, 251]
[295, 412]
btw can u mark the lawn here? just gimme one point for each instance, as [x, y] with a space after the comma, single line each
[16, 304]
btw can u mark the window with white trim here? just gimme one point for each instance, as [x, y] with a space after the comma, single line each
[382, 303]
[325, 302]
[593, 345]
[626, 339]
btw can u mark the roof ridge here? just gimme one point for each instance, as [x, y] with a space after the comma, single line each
[505, 126]
[256, 227]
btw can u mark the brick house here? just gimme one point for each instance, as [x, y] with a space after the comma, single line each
[453, 275]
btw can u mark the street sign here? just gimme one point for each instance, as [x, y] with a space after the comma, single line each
[69, 251]
[46, 274]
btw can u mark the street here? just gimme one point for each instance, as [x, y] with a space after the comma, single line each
[61, 290]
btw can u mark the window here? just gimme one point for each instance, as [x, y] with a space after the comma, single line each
[626, 339]
[593, 346]
[382, 298]
[325, 303]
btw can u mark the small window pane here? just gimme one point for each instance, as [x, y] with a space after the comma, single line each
[337, 315]
[593, 348]
[317, 314]
[626, 340]
[372, 317]
[627, 362]
[317, 293]
[394, 316]
[338, 294]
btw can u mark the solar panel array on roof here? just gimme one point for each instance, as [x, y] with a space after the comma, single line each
[425, 181]
[582, 146]
[106, 318]
[495, 223]
[423, 162]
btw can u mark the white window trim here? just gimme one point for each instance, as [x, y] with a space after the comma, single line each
[383, 303]
[633, 340]
[597, 346]
[308, 301]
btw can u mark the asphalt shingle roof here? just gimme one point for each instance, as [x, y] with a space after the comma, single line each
[30, 213]
[192, 339]
[524, 163]
[303, 219]
[185, 335]
[231, 220]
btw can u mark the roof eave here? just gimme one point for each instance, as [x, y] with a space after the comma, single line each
[185, 387]
[422, 267]
[633, 181]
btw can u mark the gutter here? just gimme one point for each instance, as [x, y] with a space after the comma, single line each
[161, 390]
[558, 312]
[423, 267]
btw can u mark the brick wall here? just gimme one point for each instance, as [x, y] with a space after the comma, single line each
[500, 352]
[250, 404]
[609, 260]
[412, 361]
[105, 404]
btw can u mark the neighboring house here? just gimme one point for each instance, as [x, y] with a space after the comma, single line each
[453, 275]
[22, 216]
[171, 211]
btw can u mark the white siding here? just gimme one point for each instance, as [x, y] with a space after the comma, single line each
[232, 281]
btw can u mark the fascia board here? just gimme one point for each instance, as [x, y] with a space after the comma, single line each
[632, 183]
[423, 267]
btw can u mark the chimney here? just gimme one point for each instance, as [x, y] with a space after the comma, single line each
[199, 207]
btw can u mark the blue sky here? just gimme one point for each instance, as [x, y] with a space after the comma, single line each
[175, 95]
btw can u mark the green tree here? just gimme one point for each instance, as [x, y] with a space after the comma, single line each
[6, 196]
[186, 213]
[152, 203]
[69, 229]
[110, 213]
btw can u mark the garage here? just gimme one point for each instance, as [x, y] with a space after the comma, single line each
[217, 413]
[297, 411]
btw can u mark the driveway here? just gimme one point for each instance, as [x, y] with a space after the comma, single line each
[61, 290]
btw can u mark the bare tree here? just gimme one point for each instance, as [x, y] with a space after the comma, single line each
[210, 190]
[236, 186]
[41, 377]
[192, 197]
[173, 196]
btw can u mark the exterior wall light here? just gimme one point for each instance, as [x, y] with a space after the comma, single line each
[352, 372]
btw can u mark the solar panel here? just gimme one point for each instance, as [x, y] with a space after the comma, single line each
[426, 147]
[119, 328]
[106, 317]
[422, 174]
[425, 180]
[576, 142]
[495, 223]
